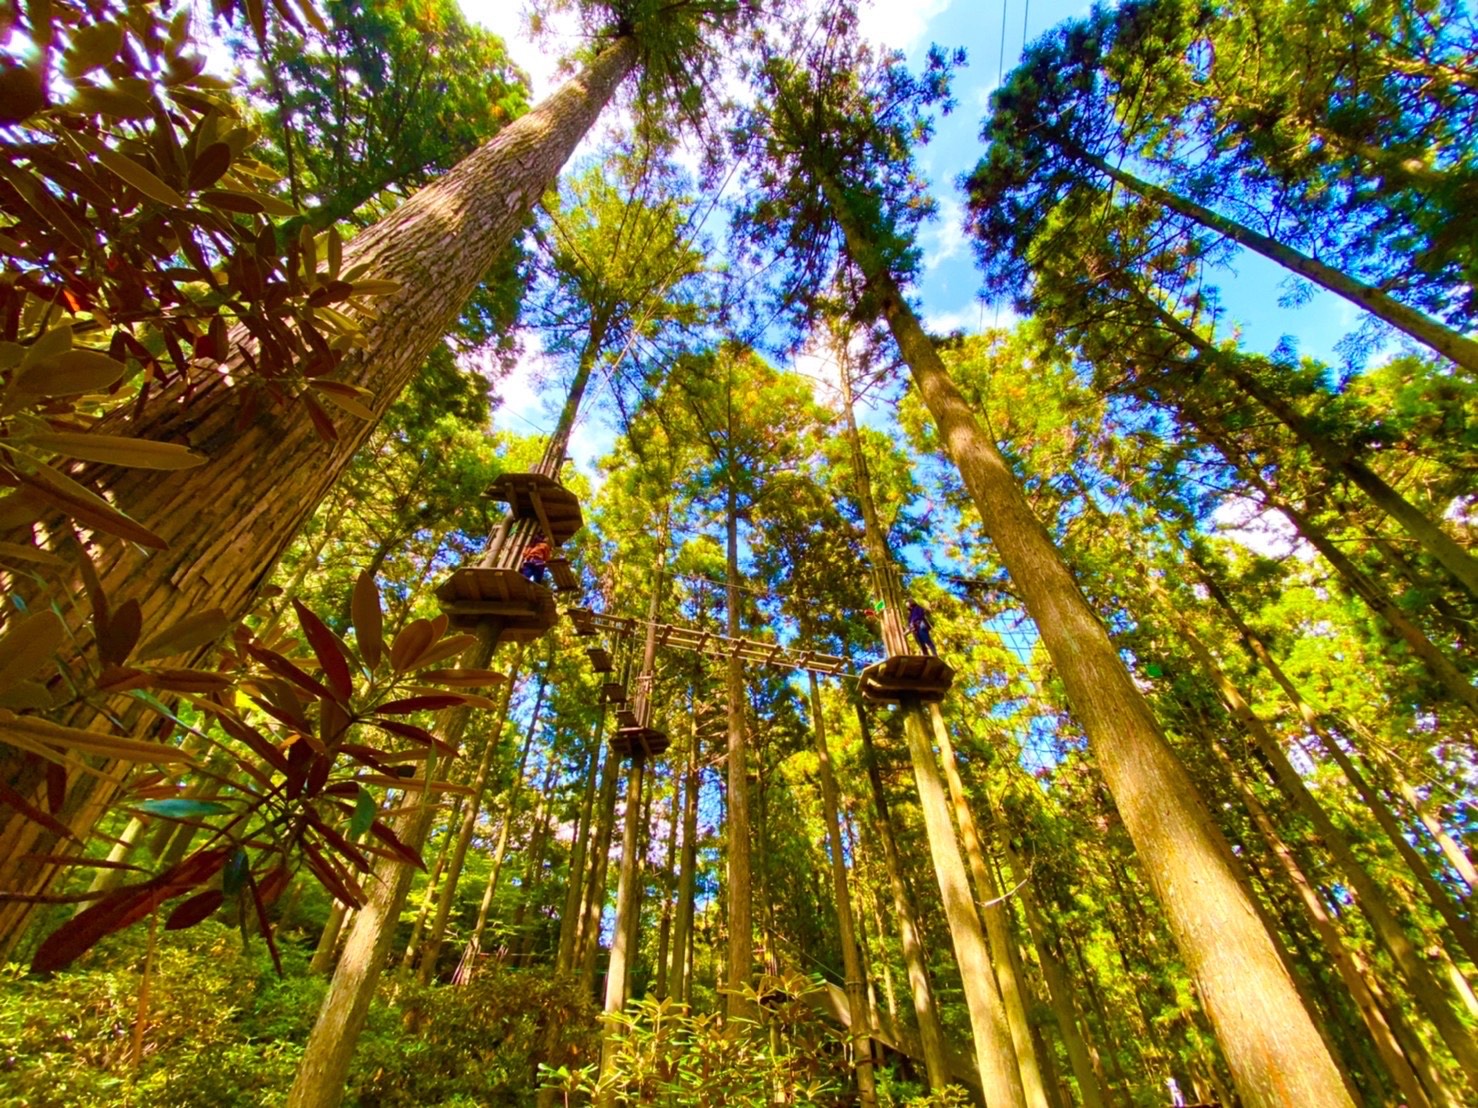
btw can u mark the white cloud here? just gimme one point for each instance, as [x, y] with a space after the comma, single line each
[1259, 529]
[942, 237]
[899, 24]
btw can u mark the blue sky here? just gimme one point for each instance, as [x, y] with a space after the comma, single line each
[992, 33]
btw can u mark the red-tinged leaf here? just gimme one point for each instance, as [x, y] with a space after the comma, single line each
[197, 868]
[441, 651]
[10, 797]
[263, 747]
[323, 764]
[260, 901]
[95, 595]
[368, 622]
[416, 735]
[411, 783]
[333, 723]
[330, 652]
[188, 680]
[283, 668]
[121, 679]
[56, 786]
[82, 932]
[86, 507]
[118, 637]
[271, 887]
[464, 678]
[336, 880]
[322, 423]
[409, 645]
[343, 848]
[344, 788]
[194, 631]
[407, 855]
[197, 908]
[424, 703]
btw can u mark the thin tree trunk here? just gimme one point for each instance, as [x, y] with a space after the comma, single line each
[1427, 992]
[1277, 1056]
[328, 940]
[664, 939]
[520, 934]
[433, 885]
[740, 1003]
[569, 919]
[594, 903]
[1059, 993]
[472, 813]
[1443, 548]
[1350, 972]
[1427, 331]
[680, 988]
[997, 926]
[226, 522]
[626, 904]
[861, 1025]
[437, 933]
[931, 1034]
[324, 1069]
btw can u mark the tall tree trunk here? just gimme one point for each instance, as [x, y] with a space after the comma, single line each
[328, 939]
[1345, 962]
[593, 905]
[324, 1069]
[433, 886]
[861, 1027]
[680, 987]
[515, 797]
[1277, 1056]
[520, 938]
[994, 1054]
[1059, 993]
[470, 816]
[1438, 663]
[1427, 331]
[997, 926]
[664, 939]
[227, 521]
[931, 1034]
[622, 952]
[737, 981]
[1425, 989]
[1372, 800]
[569, 918]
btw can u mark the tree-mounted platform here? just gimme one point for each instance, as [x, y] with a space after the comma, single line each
[564, 576]
[521, 610]
[600, 659]
[647, 740]
[615, 692]
[534, 496]
[583, 619]
[904, 677]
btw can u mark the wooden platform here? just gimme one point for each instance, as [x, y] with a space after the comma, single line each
[615, 692]
[647, 740]
[583, 619]
[625, 718]
[916, 677]
[534, 496]
[600, 659]
[522, 610]
[564, 576]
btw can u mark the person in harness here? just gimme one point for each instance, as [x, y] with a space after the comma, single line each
[536, 561]
[918, 623]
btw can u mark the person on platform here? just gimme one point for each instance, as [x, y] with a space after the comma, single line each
[918, 623]
[536, 562]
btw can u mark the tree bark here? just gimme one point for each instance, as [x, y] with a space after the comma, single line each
[997, 926]
[569, 919]
[931, 1034]
[680, 987]
[1276, 1055]
[740, 1004]
[594, 902]
[861, 1026]
[622, 951]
